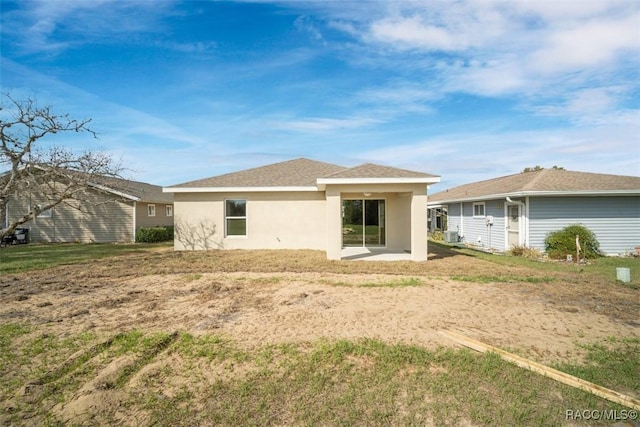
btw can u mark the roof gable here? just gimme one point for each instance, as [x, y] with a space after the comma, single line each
[371, 170]
[547, 181]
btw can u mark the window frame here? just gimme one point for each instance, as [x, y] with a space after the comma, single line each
[168, 210]
[484, 211]
[228, 217]
[151, 210]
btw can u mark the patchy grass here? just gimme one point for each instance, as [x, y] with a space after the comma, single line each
[503, 279]
[181, 379]
[20, 258]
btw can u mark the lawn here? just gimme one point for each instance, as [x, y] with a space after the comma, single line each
[140, 335]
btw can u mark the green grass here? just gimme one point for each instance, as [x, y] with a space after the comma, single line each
[603, 268]
[208, 379]
[20, 258]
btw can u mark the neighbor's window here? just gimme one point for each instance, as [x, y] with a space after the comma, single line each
[235, 213]
[168, 210]
[478, 209]
[151, 210]
[43, 214]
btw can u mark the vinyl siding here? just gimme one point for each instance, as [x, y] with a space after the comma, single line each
[160, 220]
[614, 220]
[475, 230]
[102, 219]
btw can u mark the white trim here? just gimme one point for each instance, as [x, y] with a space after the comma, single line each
[168, 210]
[149, 206]
[245, 217]
[484, 210]
[540, 194]
[526, 221]
[112, 191]
[333, 181]
[236, 189]
[135, 217]
[506, 223]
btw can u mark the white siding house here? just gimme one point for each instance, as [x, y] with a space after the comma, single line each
[525, 207]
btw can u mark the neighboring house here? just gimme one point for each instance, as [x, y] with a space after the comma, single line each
[305, 204]
[111, 214]
[521, 209]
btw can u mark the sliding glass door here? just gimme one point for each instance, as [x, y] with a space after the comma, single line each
[363, 222]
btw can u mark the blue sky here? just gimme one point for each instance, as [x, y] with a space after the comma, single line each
[469, 90]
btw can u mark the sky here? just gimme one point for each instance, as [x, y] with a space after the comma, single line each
[468, 90]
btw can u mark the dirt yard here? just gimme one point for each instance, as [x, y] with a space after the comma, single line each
[173, 292]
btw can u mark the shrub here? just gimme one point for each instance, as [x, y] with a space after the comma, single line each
[559, 244]
[437, 236]
[154, 234]
[525, 252]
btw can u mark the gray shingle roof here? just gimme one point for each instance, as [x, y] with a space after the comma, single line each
[292, 173]
[298, 173]
[148, 193]
[545, 180]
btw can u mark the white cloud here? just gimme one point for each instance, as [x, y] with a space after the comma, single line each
[34, 24]
[588, 44]
[323, 124]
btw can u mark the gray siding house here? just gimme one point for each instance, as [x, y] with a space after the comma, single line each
[521, 209]
[109, 214]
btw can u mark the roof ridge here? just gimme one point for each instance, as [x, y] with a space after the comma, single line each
[538, 176]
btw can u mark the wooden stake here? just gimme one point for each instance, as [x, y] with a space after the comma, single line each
[562, 377]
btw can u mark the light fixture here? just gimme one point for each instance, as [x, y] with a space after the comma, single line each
[367, 194]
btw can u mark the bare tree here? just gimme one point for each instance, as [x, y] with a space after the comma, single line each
[49, 176]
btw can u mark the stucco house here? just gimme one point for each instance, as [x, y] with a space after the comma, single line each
[522, 209]
[305, 204]
[110, 214]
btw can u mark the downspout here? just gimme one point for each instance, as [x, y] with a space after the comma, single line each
[526, 221]
[461, 231]
[134, 221]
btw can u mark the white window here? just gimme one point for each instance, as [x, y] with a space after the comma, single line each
[478, 209]
[168, 210]
[235, 213]
[151, 210]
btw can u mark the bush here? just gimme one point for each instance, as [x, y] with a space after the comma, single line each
[437, 236]
[525, 252]
[559, 244]
[154, 234]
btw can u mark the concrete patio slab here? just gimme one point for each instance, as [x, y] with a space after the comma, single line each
[374, 254]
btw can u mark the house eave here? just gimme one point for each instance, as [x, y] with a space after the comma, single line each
[238, 189]
[573, 193]
[114, 192]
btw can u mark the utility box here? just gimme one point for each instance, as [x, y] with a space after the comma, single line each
[623, 274]
[451, 237]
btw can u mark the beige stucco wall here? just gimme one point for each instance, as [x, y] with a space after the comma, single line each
[300, 220]
[278, 220]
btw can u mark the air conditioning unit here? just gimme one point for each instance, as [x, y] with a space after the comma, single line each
[451, 236]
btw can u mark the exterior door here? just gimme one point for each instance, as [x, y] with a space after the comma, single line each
[513, 226]
[363, 223]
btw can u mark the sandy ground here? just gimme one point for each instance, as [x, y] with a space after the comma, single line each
[539, 320]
